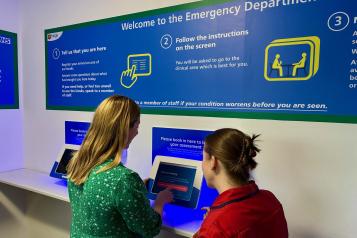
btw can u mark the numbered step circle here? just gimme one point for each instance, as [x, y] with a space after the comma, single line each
[338, 21]
[166, 41]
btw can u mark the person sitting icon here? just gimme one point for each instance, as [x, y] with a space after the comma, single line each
[277, 65]
[300, 64]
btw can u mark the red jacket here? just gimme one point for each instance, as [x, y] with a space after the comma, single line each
[245, 212]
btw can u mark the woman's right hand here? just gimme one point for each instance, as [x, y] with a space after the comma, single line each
[163, 197]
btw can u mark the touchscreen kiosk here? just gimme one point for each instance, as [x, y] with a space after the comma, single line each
[182, 176]
[59, 168]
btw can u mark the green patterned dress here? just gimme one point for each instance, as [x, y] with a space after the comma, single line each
[112, 204]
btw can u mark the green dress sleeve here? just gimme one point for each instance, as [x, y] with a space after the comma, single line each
[135, 208]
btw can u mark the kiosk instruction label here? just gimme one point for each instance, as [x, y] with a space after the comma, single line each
[9, 95]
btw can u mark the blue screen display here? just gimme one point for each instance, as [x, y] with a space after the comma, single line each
[179, 179]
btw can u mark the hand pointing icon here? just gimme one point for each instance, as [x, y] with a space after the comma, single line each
[128, 77]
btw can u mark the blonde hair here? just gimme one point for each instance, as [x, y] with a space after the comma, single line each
[105, 139]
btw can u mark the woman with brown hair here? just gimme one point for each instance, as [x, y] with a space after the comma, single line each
[108, 199]
[241, 208]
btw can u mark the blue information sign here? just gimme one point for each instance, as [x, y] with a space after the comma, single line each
[9, 95]
[75, 132]
[288, 60]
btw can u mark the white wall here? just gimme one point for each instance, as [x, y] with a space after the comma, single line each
[11, 131]
[309, 166]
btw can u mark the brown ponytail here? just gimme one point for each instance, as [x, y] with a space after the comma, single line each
[235, 150]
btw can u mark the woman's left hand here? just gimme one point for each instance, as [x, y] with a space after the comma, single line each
[207, 209]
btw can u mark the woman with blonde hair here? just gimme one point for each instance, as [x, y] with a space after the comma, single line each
[108, 199]
[241, 208]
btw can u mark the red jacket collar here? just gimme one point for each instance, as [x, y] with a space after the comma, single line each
[236, 194]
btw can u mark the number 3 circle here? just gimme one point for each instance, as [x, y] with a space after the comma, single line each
[338, 21]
